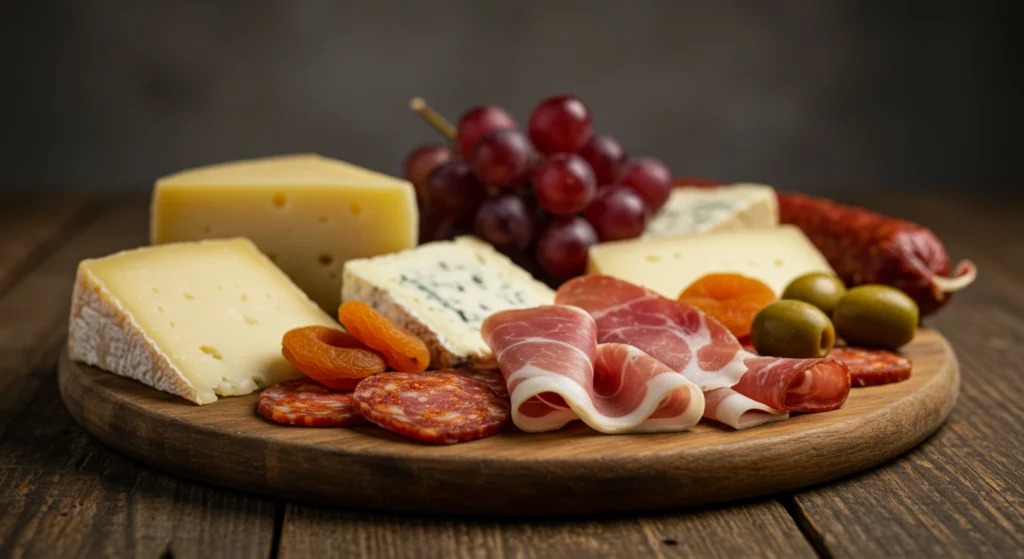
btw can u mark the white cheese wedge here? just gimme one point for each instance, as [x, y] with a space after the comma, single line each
[442, 292]
[668, 265]
[198, 320]
[700, 210]
[308, 213]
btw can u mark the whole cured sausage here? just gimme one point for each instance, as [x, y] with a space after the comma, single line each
[866, 247]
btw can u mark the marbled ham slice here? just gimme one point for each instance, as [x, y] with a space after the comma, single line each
[557, 373]
[796, 385]
[678, 335]
[731, 408]
[646, 392]
[761, 389]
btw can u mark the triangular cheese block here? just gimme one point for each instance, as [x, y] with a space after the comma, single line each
[198, 320]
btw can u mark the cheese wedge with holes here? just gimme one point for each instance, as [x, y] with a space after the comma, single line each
[198, 320]
[442, 292]
[725, 208]
[308, 213]
[668, 265]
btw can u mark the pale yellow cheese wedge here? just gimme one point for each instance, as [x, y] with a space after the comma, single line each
[198, 320]
[309, 214]
[667, 265]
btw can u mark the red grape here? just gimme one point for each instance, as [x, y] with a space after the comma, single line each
[563, 244]
[505, 221]
[564, 184]
[503, 158]
[436, 227]
[452, 190]
[477, 122]
[649, 178]
[617, 213]
[606, 158]
[421, 161]
[560, 124]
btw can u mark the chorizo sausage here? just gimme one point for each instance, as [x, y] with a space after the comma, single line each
[867, 247]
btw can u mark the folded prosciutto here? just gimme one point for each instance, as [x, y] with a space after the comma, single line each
[556, 372]
[741, 388]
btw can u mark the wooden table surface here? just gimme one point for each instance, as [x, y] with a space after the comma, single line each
[63, 494]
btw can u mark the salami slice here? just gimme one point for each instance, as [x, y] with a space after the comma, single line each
[491, 377]
[439, 408]
[869, 367]
[308, 403]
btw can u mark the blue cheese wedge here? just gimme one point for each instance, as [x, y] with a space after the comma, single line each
[698, 210]
[442, 292]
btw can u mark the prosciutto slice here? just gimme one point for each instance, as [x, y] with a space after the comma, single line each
[741, 389]
[731, 408]
[796, 385]
[556, 373]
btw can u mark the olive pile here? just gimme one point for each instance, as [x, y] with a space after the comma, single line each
[866, 316]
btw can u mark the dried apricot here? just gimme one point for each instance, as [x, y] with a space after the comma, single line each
[402, 350]
[331, 357]
[732, 299]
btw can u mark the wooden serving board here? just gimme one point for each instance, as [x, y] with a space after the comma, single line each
[574, 470]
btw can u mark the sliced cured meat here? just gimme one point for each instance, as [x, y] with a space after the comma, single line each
[556, 373]
[678, 335]
[535, 348]
[310, 404]
[491, 377]
[641, 394]
[796, 385]
[731, 408]
[700, 348]
[439, 408]
[869, 367]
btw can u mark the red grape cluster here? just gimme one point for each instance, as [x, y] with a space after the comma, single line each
[550, 193]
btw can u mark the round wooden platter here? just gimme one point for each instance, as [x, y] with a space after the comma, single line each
[574, 470]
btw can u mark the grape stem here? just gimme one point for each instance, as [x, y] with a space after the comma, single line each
[433, 118]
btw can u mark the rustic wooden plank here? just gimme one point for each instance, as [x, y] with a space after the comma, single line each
[962, 492]
[113, 508]
[66, 495]
[761, 528]
[33, 226]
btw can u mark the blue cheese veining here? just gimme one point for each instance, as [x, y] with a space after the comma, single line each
[442, 292]
[697, 210]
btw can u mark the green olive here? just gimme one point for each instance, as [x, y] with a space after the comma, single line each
[792, 329]
[876, 316]
[817, 288]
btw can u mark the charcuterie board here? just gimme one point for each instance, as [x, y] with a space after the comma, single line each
[569, 471]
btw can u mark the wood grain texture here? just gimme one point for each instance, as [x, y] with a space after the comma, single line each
[961, 493]
[62, 494]
[32, 227]
[757, 528]
[957, 494]
[573, 470]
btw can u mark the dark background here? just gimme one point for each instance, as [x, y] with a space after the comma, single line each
[812, 95]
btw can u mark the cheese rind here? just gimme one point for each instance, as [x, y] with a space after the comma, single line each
[725, 208]
[309, 213]
[442, 292]
[668, 265]
[198, 320]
